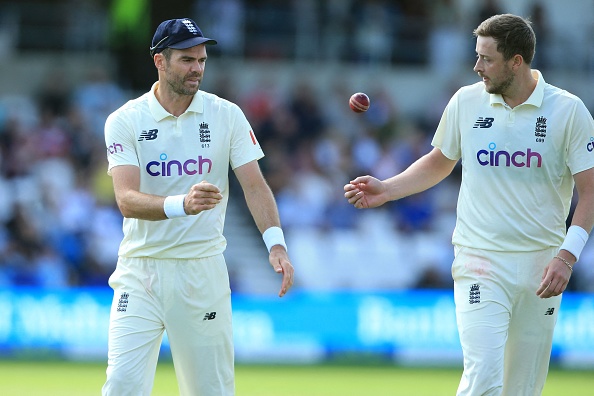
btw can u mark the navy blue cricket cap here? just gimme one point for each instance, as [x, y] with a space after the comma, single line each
[178, 34]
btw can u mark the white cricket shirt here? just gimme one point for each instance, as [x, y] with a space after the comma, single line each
[517, 164]
[174, 153]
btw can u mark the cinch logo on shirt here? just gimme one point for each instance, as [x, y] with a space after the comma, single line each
[519, 159]
[174, 167]
[115, 148]
[590, 145]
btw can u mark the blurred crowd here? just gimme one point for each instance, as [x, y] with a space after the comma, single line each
[59, 225]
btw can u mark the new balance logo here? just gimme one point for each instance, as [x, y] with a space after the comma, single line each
[151, 134]
[474, 296]
[123, 302]
[486, 122]
[550, 311]
[210, 316]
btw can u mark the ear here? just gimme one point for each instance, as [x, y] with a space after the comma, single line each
[517, 61]
[159, 60]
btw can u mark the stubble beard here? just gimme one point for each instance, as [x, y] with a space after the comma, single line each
[177, 85]
[501, 87]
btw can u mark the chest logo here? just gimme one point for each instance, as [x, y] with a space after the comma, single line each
[151, 134]
[166, 167]
[517, 159]
[540, 130]
[484, 122]
[204, 133]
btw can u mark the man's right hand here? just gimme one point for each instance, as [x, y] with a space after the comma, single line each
[365, 192]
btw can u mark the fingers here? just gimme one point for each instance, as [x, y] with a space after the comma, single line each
[360, 180]
[361, 200]
[288, 277]
[357, 199]
[352, 193]
[206, 186]
[365, 192]
[286, 285]
[554, 281]
[281, 264]
[202, 196]
[349, 188]
[551, 288]
[349, 194]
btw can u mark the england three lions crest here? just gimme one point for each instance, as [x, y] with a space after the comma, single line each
[204, 133]
[540, 130]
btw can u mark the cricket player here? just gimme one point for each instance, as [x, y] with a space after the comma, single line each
[169, 154]
[524, 144]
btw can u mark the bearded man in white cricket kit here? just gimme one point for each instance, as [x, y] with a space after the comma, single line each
[169, 154]
[524, 144]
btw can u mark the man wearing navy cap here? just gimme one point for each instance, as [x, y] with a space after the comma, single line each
[169, 152]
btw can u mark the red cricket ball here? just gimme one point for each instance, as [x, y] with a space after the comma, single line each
[359, 102]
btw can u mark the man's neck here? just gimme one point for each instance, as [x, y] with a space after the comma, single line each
[525, 85]
[174, 103]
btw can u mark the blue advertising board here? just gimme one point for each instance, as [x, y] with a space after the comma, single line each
[411, 327]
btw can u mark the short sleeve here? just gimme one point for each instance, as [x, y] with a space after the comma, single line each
[119, 141]
[581, 142]
[244, 144]
[447, 135]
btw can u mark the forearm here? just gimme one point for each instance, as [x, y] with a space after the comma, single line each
[583, 215]
[137, 205]
[258, 196]
[262, 206]
[423, 174]
[131, 202]
[581, 226]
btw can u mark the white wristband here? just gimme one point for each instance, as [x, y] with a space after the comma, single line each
[575, 241]
[174, 206]
[274, 236]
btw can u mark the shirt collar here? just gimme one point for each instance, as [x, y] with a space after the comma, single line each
[535, 99]
[159, 113]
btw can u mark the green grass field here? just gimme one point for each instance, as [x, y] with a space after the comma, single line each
[56, 378]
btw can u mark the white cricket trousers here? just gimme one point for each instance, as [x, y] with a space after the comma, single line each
[506, 330]
[191, 300]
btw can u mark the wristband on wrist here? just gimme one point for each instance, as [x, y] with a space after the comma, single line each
[575, 241]
[174, 206]
[274, 236]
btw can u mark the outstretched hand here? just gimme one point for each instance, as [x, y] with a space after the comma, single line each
[365, 192]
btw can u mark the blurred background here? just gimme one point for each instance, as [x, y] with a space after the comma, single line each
[380, 279]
